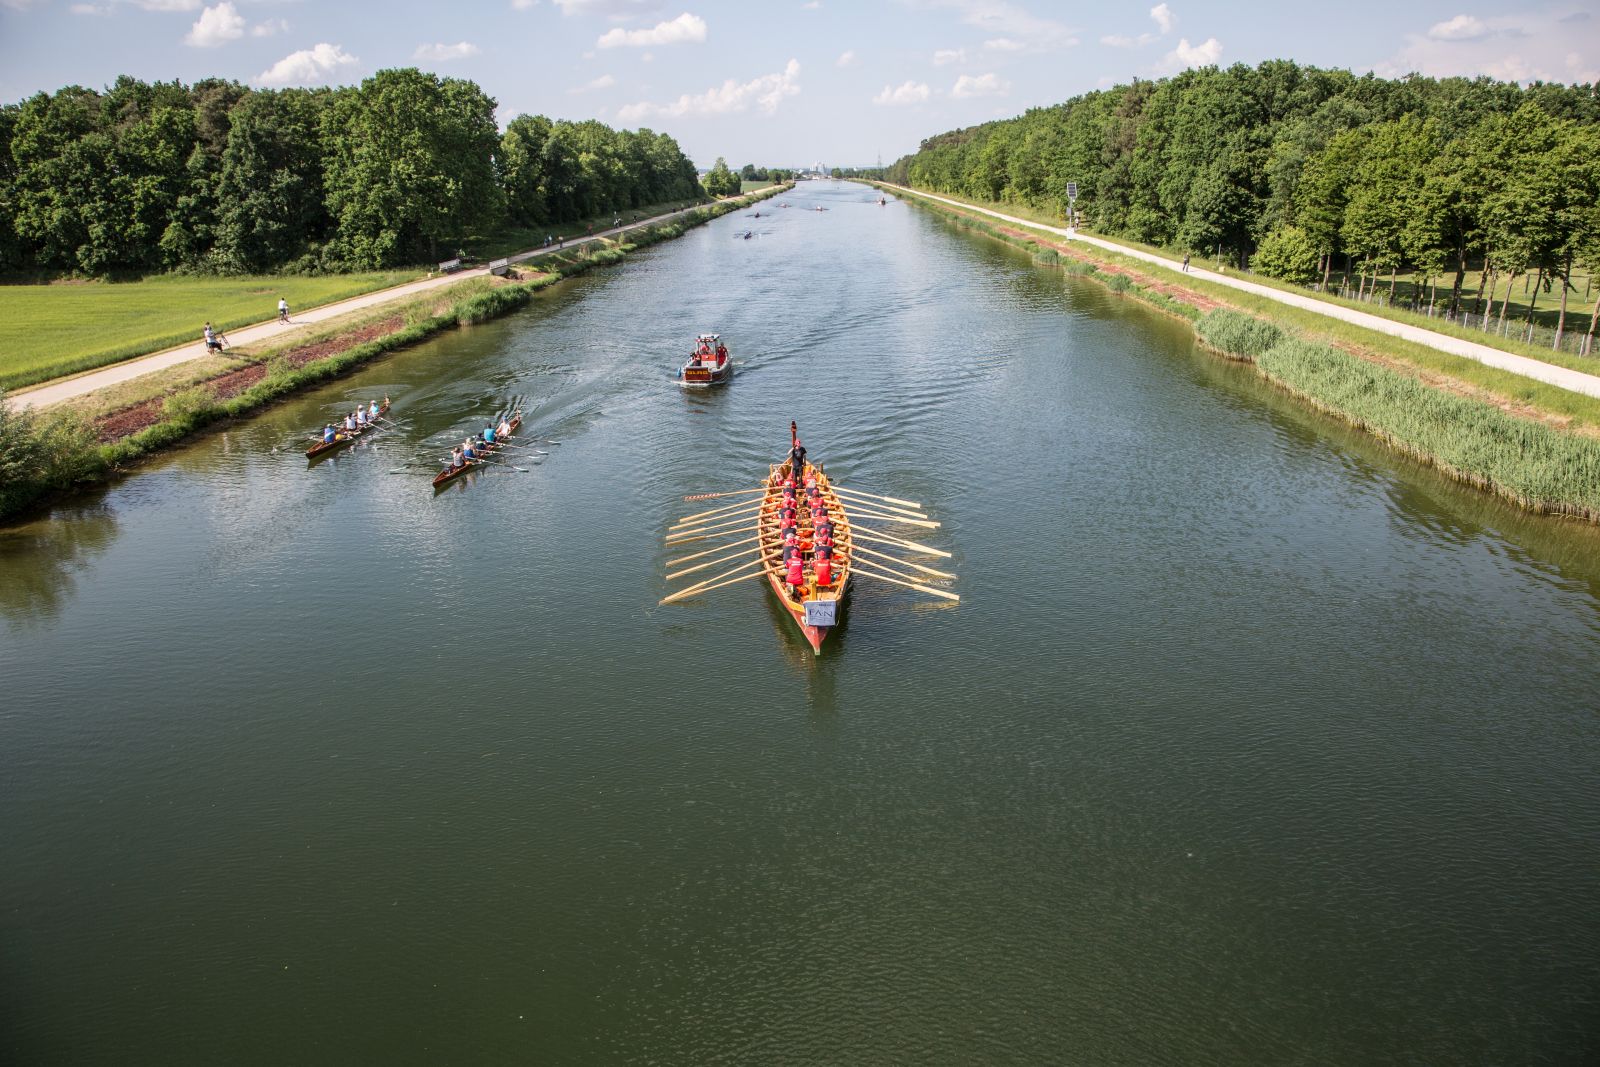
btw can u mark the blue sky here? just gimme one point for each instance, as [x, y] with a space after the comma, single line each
[780, 82]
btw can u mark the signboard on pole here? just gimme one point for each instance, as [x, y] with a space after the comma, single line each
[1072, 190]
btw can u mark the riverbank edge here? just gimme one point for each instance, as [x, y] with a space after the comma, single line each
[190, 413]
[1086, 261]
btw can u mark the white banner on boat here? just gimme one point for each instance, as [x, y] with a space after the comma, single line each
[820, 612]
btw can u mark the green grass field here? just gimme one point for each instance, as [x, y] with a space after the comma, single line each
[751, 187]
[47, 331]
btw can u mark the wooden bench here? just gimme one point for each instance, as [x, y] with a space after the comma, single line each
[450, 266]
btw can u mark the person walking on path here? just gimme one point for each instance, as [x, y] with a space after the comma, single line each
[283, 310]
[1186, 262]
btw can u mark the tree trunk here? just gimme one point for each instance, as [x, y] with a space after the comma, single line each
[1488, 313]
[1327, 269]
[1461, 276]
[1588, 338]
[1561, 320]
[1433, 294]
[1510, 284]
[1394, 272]
[1537, 281]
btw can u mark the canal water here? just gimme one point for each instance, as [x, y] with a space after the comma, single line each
[1249, 742]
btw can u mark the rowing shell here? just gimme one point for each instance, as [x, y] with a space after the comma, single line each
[342, 438]
[449, 474]
[827, 601]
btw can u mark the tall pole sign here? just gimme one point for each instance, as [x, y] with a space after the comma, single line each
[1072, 203]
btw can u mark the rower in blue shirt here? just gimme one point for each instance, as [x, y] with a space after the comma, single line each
[329, 434]
[488, 434]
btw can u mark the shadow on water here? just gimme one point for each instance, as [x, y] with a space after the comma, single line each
[41, 560]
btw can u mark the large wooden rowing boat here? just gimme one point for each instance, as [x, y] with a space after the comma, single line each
[815, 607]
[450, 474]
[808, 556]
[343, 437]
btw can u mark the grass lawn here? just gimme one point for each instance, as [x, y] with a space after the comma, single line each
[47, 331]
[750, 187]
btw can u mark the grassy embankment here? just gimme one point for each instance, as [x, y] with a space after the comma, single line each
[49, 331]
[1580, 303]
[46, 453]
[1535, 444]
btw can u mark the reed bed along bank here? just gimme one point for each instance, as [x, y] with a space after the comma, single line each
[1538, 466]
[44, 455]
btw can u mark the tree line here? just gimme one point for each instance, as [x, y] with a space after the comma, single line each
[1301, 171]
[219, 177]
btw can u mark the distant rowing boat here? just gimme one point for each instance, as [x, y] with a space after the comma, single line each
[343, 437]
[449, 474]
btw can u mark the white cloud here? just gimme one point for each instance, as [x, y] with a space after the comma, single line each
[1460, 28]
[444, 53]
[215, 27]
[168, 5]
[605, 81]
[1560, 45]
[1187, 55]
[902, 95]
[269, 27]
[949, 55]
[1011, 22]
[1006, 44]
[76, 9]
[983, 85]
[309, 66]
[686, 28]
[1164, 20]
[609, 8]
[846, 59]
[764, 94]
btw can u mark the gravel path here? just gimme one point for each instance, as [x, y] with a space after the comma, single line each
[1549, 373]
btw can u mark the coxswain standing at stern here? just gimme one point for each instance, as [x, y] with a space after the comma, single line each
[797, 453]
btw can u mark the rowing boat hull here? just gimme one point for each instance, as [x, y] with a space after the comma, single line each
[772, 548]
[325, 448]
[450, 474]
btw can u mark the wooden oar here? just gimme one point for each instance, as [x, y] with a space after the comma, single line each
[714, 496]
[688, 520]
[691, 590]
[888, 508]
[850, 560]
[741, 521]
[873, 496]
[708, 588]
[887, 539]
[903, 562]
[712, 563]
[930, 590]
[886, 517]
[709, 551]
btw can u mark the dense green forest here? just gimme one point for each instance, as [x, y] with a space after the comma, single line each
[1300, 171]
[223, 178]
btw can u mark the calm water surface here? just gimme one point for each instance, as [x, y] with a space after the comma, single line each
[1248, 743]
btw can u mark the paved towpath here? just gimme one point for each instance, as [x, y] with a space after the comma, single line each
[80, 385]
[1577, 381]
